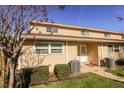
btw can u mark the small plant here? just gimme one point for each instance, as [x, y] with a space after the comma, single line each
[62, 71]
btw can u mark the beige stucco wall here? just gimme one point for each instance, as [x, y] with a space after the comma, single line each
[31, 59]
[117, 55]
[97, 51]
[71, 51]
[104, 53]
[73, 32]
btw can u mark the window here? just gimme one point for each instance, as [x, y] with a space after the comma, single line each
[55, 30]
[114, 48]
[85, 33]
[110, 47]
[56, 48]
[52, 29]
[48, 29]
[47, 48]
[42, 48]
[106, 35]
[83, 50]
[123, 36]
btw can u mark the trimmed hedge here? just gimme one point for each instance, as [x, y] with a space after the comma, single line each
[40, 74]
[62, 71]
[35, 75]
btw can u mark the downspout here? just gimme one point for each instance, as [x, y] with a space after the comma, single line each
[66, 52]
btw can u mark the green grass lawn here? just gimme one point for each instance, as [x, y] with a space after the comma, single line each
[88, 80]
[118, 71]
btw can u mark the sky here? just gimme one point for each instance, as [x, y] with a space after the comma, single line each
[93, 16]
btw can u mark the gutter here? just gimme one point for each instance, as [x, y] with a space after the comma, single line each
[69, 38]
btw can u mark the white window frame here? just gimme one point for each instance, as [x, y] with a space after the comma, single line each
[54, 43]
[108, 35]
[113, 47]
[117, 48]
[122, 36]
[49, 48]
[46, 29]
[110, 48]
[85, 31]
[52, 29]
[57, 29]
[41, 48]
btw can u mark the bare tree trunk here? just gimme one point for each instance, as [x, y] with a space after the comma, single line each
[0, 61]
[2, 70]
[12, 76]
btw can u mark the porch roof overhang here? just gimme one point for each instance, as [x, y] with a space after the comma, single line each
[70, 38]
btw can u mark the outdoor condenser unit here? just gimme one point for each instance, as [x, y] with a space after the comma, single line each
[74, 66]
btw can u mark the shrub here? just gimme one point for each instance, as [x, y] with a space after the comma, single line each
[35, 75]
[62, 71]
[25, 76]
[120, 61]
[40, 74]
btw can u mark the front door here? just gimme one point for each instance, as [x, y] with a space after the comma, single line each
[83, 54]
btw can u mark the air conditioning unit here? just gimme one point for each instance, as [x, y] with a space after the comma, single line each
[74, 66]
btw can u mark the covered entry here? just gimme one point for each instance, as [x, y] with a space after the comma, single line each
[85, 52]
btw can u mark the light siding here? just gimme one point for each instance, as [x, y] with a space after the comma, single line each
[73, 32]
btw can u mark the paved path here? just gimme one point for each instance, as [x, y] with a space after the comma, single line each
[100, 71]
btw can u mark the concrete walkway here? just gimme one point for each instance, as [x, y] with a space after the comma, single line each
[100, 71]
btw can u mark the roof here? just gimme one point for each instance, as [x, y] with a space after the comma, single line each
[36, 23]
[69, 38]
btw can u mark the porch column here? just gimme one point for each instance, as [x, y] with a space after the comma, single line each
[101, 51]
